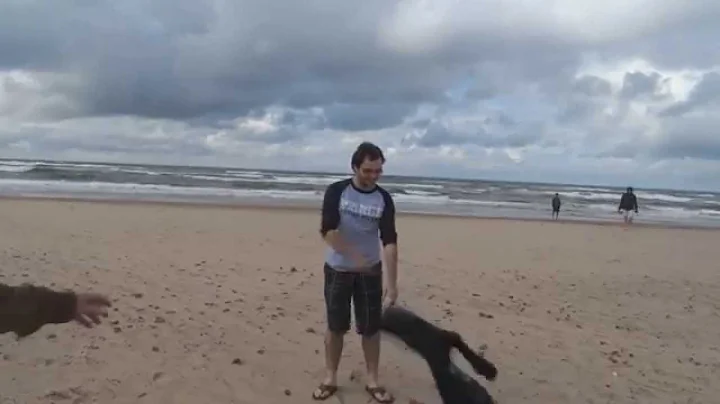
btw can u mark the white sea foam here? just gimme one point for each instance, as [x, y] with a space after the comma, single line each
[663, 197]
[15, 168]
[8, 186]
[421, 193]
[411, 185]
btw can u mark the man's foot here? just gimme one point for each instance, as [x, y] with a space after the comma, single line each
[379, 394]
[324, 391]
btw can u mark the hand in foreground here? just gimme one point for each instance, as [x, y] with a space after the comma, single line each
[90, 307]
[391, 295]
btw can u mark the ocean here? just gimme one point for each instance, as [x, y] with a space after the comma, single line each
[482, 198]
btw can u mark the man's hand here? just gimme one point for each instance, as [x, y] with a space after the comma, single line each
[335, 241]
[391, 295]
[90, 307]
[358, 259]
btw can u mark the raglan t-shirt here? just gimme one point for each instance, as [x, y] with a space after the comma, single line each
[364, 218]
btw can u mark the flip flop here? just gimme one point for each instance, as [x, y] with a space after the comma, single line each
[378, 392]
[323, 392]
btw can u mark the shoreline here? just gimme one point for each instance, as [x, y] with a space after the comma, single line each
[289, 205]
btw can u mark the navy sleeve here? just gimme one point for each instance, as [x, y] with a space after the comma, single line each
[331, 207]
[388, 233]
[26, 308]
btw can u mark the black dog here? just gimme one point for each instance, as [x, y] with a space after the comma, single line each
[434, 344]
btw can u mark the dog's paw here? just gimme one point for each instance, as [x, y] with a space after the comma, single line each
[492, 373]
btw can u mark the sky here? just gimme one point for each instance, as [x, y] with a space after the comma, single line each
[571, 91]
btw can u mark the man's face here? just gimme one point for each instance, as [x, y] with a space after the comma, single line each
[369, 172]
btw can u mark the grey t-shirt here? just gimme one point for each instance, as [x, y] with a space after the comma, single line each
[363, 219]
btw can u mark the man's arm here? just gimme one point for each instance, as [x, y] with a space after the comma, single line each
[635, 203]
[26, 308]
[388, 235]
[330, 220]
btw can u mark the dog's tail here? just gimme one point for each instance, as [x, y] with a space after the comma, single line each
[481, 365]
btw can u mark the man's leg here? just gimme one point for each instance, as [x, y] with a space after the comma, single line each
[338, 292]
[367, 299]
[334, 342]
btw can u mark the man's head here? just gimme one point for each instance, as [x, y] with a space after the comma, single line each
[629, 190]
[367, 163]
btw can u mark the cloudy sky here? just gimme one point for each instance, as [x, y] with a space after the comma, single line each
[609, 92]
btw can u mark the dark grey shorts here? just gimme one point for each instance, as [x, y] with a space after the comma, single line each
[364, 290]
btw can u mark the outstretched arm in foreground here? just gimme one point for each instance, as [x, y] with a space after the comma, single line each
[25, 309]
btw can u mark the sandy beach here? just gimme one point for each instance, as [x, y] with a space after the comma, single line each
[224, 305]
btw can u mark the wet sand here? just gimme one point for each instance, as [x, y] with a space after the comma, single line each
[224, 305]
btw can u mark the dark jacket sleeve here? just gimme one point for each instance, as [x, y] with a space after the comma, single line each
[26, 308]
[623, 202]
[388, 232]
[330, 218]
[635, 203]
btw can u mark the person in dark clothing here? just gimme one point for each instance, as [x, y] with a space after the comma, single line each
[435, 345]
[556, 206]
[628, 205]
[26, 308]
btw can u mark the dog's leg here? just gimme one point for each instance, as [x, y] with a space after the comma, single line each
[481, 365]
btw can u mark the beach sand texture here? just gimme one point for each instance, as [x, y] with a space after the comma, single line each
[219, 305]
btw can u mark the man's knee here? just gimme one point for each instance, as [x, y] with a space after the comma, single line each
[334, 335]
[369, 331]
[369, 325]
[338, 323]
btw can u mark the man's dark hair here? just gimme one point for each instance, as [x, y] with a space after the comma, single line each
[366, 151]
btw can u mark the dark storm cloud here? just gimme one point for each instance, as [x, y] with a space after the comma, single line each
[367, 116]
[186, 59]
[500, 118]
[498, 131]
[582, 98]
[689, 137]
[689, 39]
[706, 92]
[680, 138]
[591, 86]
[638, 84]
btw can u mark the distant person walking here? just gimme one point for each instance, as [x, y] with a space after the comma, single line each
[556, 206]
[628, 205]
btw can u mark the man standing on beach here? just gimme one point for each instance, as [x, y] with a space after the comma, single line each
[358, 215]
[628, 205]
[556, 206]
